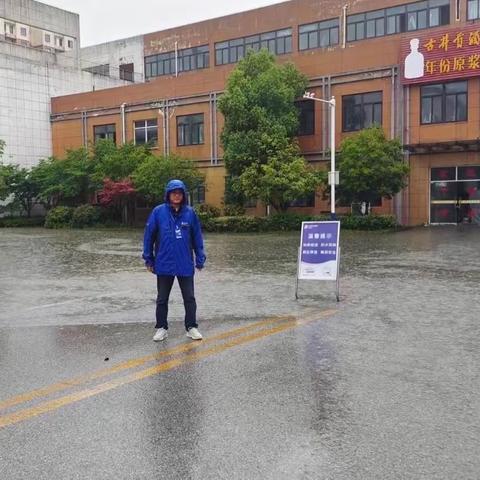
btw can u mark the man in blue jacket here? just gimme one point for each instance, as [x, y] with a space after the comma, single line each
[172, 234]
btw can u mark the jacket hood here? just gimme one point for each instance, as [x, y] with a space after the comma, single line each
[175, 185]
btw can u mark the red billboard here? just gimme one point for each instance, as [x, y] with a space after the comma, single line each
[441, 55]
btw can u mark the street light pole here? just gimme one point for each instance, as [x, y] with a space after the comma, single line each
[332, 175]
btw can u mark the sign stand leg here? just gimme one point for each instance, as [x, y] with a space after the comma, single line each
[298, 271]
[338, 276]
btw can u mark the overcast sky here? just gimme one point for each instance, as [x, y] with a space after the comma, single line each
[105, 20]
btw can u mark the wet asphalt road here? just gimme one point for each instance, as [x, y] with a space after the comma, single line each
[384, 385]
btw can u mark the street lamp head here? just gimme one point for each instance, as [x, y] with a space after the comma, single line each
[309, 95]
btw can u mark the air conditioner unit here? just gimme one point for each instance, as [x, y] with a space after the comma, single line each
[36, 37]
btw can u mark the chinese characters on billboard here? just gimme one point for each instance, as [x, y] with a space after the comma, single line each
[441, 56]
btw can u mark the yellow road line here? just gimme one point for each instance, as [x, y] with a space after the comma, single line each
[58, 387]
[27, 413]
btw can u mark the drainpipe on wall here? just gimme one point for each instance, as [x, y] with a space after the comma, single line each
[211, 130]
[176, 59]
[167, 127]
[344, 26]
[393, 105]
[84, 129]
[215, 132]
[124, 128]
[164, 115]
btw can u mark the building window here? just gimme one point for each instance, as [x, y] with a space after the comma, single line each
[48, 38]
[126, 72]
[99, 70]
[190, 130]
[361, 111]
[409, 17]
[23, 31]
[444, 102]
[232, 51]
[59, 41]
[318, 35]
[104, 132]
[188, 59]
[308, 201]
[194, 58]
[306, 117]
[9, 28]
[197, 195]
[146, 132]
[473, 11]
[70, 43]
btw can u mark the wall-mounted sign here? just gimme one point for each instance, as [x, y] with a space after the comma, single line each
[441, 55]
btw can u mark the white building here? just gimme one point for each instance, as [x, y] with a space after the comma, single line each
[40, 58]
[122, 59]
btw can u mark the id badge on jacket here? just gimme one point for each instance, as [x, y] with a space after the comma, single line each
[178, 232]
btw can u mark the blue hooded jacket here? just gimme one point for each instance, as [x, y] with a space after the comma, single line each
[170, 239]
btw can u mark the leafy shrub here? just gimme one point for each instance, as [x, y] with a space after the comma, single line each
[210, 210]
[293, 221]
[233, 210]
[368, 222]
[59, 217]
[242, 224]
[206, 213]
[85, 216]
[22, 222]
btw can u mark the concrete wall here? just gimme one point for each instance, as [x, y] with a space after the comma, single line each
[25, 91]
[30, 75]
[40, 15]
[128, 50]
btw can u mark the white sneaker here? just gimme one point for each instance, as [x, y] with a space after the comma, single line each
[161, 334]
[194, 334]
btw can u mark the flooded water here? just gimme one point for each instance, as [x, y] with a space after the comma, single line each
[386, 388]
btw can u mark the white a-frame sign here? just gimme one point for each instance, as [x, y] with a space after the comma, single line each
[319, 253]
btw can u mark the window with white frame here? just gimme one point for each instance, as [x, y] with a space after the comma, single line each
[146, 132]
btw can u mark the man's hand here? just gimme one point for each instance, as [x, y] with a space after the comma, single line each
[150, 268]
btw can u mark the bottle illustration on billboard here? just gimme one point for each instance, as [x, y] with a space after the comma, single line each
[415, 61]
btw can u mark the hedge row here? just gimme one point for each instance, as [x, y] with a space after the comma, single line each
[292, 222]
[22, 222]
[79, 217]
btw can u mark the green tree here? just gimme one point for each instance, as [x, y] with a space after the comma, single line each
[64, 181]
[153, 174]
[20, 184]
[261, 121]
[3, 174]
[116, 163]
[284, 178]
[371, 166]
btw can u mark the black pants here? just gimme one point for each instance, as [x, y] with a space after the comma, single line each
[164, 287]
